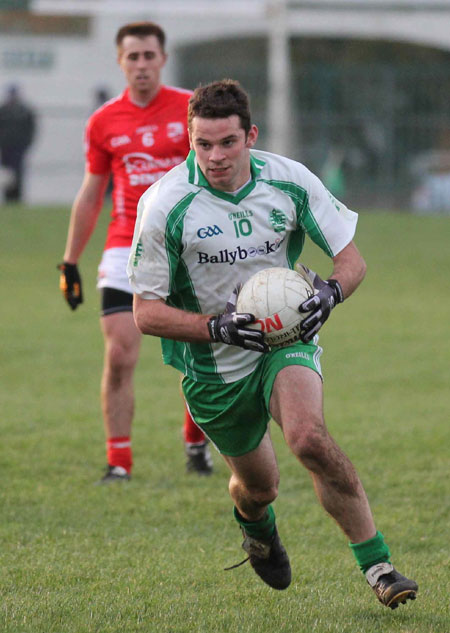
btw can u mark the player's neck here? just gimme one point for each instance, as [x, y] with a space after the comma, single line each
[142, 99]
[236, 191]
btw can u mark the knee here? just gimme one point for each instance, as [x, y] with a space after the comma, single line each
[256, 496]
[119, 358]
[311, 447]
[263, 496]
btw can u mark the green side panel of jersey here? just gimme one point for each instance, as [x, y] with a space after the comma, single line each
[313, 230]
[174, 234]
[305, 220]
[189, 358]
[295, 247]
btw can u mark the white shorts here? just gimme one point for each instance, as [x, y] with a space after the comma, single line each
[112, 270]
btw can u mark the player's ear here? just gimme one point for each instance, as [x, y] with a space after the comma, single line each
[119, 51]
[252, 137]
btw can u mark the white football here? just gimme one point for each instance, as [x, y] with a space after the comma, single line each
[273, 295]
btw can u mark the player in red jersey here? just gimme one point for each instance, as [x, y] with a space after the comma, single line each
[137, 137]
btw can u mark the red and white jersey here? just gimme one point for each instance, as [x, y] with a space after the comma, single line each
[138, 145]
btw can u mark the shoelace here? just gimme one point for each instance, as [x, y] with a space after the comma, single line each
[237, 564]
[256, 546]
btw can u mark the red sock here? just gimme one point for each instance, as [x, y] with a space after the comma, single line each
[192, 433]
[118, 452]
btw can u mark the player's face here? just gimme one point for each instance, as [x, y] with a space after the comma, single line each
[222, 151]
[141, 60]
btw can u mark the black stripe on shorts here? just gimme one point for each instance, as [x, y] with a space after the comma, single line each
[113, 300]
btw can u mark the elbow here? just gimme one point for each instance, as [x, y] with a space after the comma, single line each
[146, 316]
[139, 315]
[139, 324]
[142, 322]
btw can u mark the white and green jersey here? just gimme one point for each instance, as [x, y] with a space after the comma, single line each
[192, 244]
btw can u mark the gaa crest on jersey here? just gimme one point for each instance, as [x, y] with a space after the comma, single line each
[277, 219]
[175, 131]
[208, 231]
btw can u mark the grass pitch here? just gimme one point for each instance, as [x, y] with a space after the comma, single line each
[148, 556]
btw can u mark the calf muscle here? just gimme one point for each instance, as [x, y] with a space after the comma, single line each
[296, 405]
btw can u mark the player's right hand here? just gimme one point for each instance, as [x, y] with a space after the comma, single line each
[229, 328]
[70, 284]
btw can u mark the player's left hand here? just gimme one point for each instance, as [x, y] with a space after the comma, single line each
[70, 284]
[320, 305]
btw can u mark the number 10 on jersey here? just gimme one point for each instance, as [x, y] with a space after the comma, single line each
[242, 228]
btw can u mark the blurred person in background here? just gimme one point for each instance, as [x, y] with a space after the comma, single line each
[17, 132]
[136, 137]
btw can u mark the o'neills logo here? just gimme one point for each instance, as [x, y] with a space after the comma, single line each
[278, 335]
[227, 256]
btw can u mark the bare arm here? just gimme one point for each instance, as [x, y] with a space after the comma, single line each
[349, 268]
[155, 317]
[84, 215]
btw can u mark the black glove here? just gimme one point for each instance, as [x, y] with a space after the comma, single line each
[70, 284]
[320, 305]
[228, 328]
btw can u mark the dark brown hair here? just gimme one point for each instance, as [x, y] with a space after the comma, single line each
[219, 100]
[141, 29]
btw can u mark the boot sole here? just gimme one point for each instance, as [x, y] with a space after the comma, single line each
[401, 597]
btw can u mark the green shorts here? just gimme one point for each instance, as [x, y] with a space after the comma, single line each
[234, 416]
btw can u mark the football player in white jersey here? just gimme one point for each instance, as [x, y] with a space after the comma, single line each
[213, 221]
